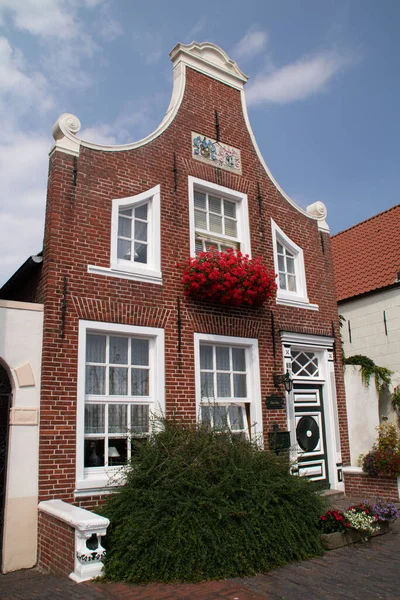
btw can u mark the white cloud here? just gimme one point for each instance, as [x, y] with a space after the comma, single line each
[296, 81]
[102, 134]
[197, 28]
[253, 42]
[23, 175]
[63, 33]
[25, 90]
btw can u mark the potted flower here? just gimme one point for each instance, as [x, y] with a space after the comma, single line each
[396, 398]
[229, 278]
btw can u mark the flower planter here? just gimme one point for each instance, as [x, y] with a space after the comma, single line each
[331, 541]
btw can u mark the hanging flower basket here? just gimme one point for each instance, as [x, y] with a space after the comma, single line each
[229, 278]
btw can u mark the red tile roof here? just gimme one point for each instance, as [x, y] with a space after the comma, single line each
[367, 256]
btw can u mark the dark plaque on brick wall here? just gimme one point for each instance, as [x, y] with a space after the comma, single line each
[279, 440]
[274, 401]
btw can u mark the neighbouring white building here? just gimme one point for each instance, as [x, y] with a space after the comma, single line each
[367, 272]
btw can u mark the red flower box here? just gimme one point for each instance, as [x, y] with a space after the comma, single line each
[230, 278]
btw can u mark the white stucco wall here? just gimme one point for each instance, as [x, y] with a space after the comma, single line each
[368, 328]
[362, 413]
[21, 327]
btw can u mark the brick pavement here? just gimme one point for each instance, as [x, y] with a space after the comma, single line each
[369, 571]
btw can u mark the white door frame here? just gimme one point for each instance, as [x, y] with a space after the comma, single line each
[323, 347]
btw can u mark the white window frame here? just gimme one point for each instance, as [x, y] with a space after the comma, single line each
[242, 212]
[299, 298]
[150, 272]
[101, 479]
[253, 376]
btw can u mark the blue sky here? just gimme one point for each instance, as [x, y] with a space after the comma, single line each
[322, 95]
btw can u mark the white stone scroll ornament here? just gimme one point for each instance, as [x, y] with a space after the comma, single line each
[64, 133]
[320, 212]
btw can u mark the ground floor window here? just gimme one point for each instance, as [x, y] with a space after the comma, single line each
[228, 383]
[120, 393]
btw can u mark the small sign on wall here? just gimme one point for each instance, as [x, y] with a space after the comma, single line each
[274, 401]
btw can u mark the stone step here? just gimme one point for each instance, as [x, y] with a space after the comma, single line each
[333, 495]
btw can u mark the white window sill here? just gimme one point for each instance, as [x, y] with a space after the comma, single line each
[104, 482]
[146, 276]
[296, 302]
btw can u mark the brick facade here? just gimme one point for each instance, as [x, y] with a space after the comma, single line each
[56, 546]
[361, 485]
[77, 234]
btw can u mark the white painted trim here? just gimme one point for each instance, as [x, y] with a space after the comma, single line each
[297, 304]
[254, 384]
[320, 219]
[298, 298]
[300, 339]
[146, 277]
[243, 211]
[112, 476]
[21, 305]
[353, 471]
[78, 518]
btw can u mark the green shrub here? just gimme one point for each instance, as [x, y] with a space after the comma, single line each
[199, 505]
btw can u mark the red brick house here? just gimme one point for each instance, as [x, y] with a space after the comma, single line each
[121, 341]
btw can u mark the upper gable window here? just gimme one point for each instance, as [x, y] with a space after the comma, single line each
[218, 218]
[289, 266]
[135, 238]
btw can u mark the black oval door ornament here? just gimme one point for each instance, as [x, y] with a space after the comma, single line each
[307, 433]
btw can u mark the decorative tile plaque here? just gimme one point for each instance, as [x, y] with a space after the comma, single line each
[216, 153]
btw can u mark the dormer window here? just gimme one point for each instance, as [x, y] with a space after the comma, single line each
[289, 265]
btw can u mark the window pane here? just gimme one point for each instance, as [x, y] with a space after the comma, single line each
[117, 452]
[206, 357]
[94, 453]
[94, 418]
[198, 245]
[230, 209]
[281, 263]
[140, 352]
[96, 348]
[200, 220]
[124, 250]
[141, 253]
[292, 283]
[141, 212]
[222, 358]
[239, 386]
[126, 212]
[238, 359]
[140, 382]
[215, 223]
[224, 385]
[230, 227]
[214, 204]
[141, 231]
[117, 422]
[118, 350]
[290, 265]
[282, 281]
[200, 200]
[236, 417]
[118, 381]
[124, 227]
[205, 416]
[220, 414]
[95, 380]
[207, 385]
[140, 418]
[280, 248]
